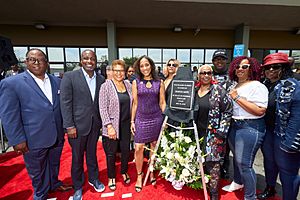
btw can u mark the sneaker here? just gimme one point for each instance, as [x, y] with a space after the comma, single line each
[98, 186]
[78, 195]
[232, 187]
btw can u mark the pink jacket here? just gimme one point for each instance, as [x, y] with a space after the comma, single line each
[109, 105]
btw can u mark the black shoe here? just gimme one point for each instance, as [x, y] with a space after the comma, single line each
[268, 192]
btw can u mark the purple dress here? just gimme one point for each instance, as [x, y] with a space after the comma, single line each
[148, 120]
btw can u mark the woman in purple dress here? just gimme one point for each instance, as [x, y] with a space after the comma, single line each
[146, 118]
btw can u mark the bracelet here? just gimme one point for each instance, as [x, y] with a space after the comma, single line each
[131, 121]
[236, 98]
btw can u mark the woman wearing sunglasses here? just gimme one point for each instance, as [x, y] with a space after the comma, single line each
[250, 101]
[281, 148]
[172, 66]
[272, 73]
[213, 115]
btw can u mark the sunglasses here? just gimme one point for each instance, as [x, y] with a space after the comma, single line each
[274, 67]
[206, 73]
[173, 65]
[244, 66]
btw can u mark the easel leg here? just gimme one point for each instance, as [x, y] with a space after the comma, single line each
[151, 165]
[200, 161]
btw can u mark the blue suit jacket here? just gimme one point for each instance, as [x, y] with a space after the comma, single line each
[27, 114]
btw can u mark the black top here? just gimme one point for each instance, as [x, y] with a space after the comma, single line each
[202, 118]
[168, 93]
[124, 101]
[270, 116]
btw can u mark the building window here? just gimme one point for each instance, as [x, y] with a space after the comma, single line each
[102, 54]
[56, 54]
[155, 54]
[72, 54]
[168, 54]
[184, 55]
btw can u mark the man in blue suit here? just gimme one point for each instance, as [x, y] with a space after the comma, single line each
[30, 113]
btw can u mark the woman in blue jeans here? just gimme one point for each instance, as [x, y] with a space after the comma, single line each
[286, 139]
[250, 100]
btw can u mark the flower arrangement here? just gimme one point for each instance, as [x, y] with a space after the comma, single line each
[177, 159]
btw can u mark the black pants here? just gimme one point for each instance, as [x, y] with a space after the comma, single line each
[111, 146]
[88, 145]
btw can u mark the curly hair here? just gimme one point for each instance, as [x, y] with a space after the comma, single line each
[138, 71]
[254, 69]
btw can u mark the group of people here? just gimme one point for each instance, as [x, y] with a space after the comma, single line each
[233, 110]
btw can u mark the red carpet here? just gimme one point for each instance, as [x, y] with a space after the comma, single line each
[15, 183]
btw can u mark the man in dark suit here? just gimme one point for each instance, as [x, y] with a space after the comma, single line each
[81, 118]
[30, 113]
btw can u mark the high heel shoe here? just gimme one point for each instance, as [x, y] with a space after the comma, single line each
[137, 187]
[152, 179]
[126, 178]
[112, 186]
[232, 187]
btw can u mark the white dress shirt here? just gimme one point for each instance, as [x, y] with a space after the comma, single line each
[45, 85]
[91, 82]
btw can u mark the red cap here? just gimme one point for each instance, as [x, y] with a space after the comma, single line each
[276, 58]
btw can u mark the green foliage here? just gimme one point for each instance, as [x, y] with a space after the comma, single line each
[129, 61]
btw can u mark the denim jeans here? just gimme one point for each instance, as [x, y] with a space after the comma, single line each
[245, 138]
[288, 164]
[271, 169]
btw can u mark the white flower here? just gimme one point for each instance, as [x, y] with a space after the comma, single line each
[177, 156]
[164, 142]
[169, 155]
[172, 134]
[185, 172]
[191, 151]
[187, 139]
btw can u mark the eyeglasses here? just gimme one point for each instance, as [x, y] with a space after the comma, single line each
[33, 60]
[274, 67]
[206, 73]
[173, 65]
[244, 66]
[130, 71]
[118, 71]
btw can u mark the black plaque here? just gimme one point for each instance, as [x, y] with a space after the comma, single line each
[182, 95]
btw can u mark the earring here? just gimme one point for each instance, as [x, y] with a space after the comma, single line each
[279, 74]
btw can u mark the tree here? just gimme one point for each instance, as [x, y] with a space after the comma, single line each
[129, 61]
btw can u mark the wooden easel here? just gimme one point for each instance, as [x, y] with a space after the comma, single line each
[151, 165]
